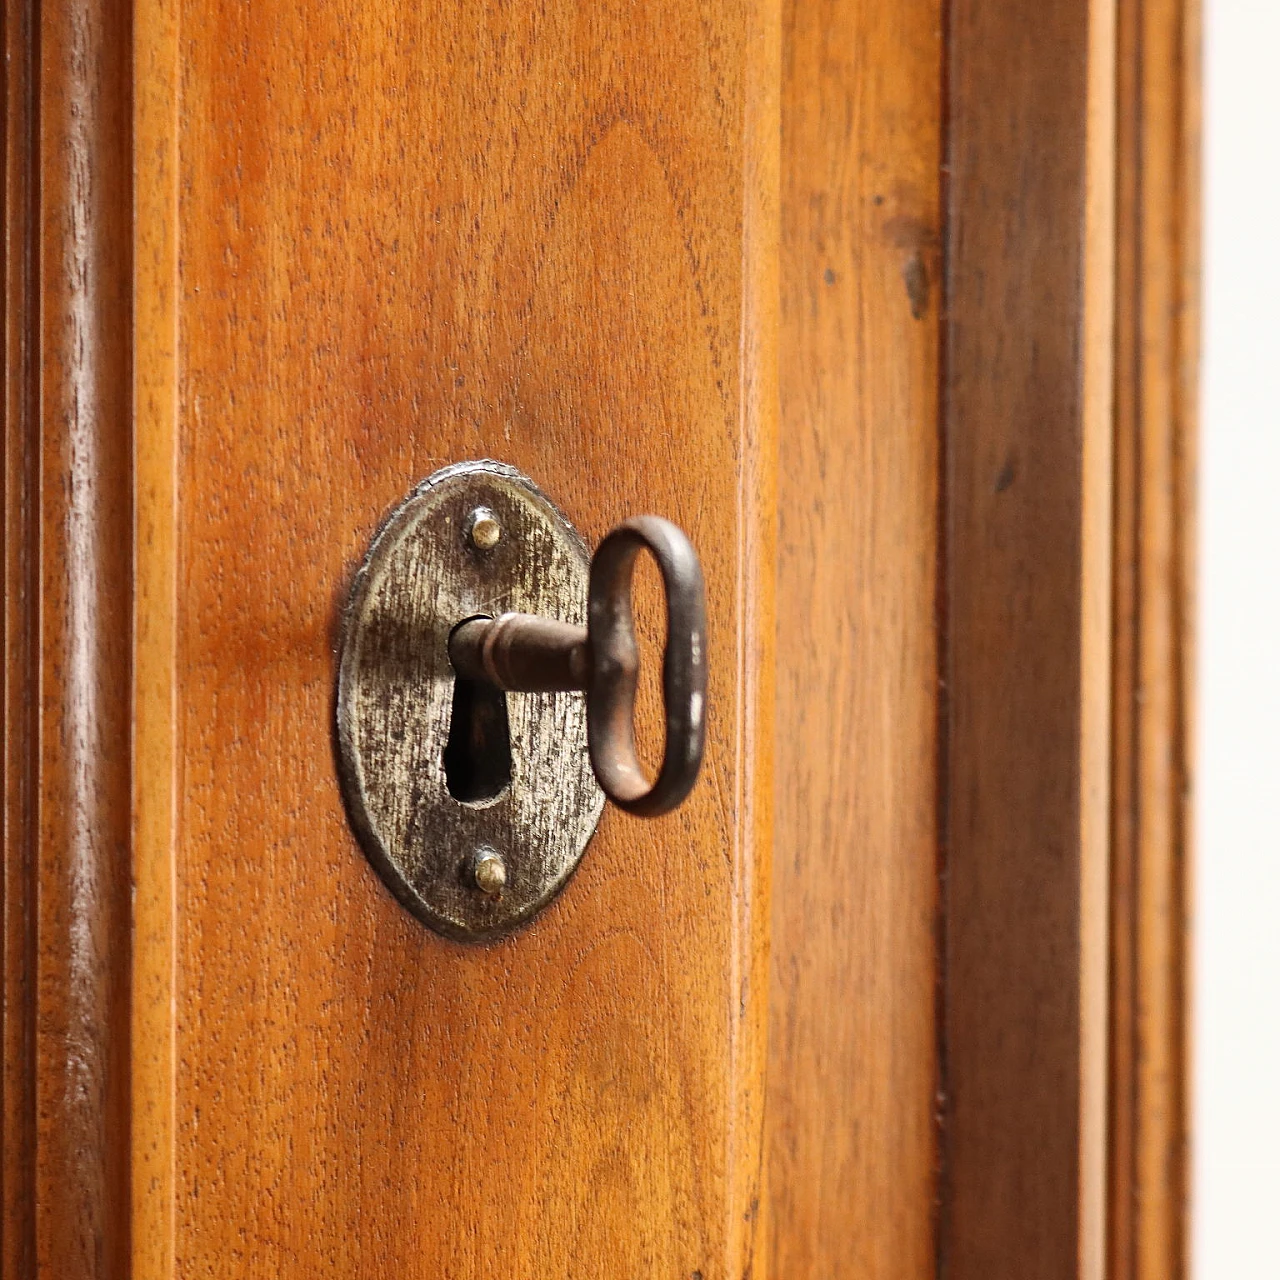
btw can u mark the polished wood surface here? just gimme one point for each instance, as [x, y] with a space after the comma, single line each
[314, 252]
[1157, 337]
[158, 775]
[853, 1065]
[67, 622]
[1027, 419]
[407, 237]
[21, 646]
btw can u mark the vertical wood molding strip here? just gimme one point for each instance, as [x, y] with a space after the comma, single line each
[1157, 349]
[156, 105]
[1027, 431]
[68, 550]
[853, 1073]
[21, 637]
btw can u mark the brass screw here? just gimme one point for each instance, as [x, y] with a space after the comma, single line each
[484, 530]
[489, 872]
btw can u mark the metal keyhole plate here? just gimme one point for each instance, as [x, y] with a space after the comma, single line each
[476, 539]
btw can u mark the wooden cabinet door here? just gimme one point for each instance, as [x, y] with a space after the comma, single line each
[831, 286]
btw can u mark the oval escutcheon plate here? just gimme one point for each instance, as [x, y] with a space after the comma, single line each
[442, 786]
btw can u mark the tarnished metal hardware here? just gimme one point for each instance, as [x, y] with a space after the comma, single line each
[522, 653]
[615, 667]
[474, 806]
[519, 652]
[489, 872]
[476, 809]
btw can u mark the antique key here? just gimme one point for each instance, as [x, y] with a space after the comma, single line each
[521, 652]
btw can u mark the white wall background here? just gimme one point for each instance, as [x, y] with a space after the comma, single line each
[1236, 1219]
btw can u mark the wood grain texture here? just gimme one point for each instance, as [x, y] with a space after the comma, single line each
[1157, 336]
[21, 641]
[1028, 435]
[318, 251]
[68, 574]
[544, 233]
[853, 1064]
[156, 766]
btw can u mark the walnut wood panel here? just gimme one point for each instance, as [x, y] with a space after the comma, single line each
[853, 1066]
[1156, 354]
[68, 574]
[1028, 435]
[409, 235]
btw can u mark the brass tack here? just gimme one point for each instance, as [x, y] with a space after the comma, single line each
[489, 872]
[484, 530]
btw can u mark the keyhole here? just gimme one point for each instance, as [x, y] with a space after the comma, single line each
[477, 754]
